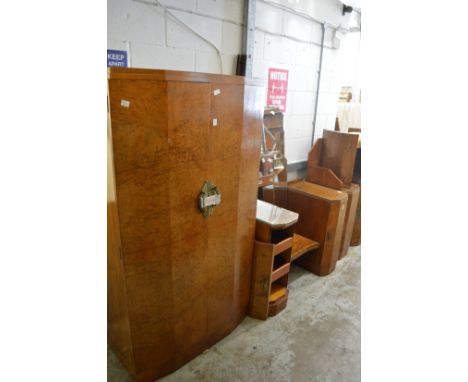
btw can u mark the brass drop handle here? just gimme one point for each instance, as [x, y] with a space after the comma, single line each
[209, 198]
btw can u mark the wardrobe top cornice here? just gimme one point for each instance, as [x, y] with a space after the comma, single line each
[175, 75]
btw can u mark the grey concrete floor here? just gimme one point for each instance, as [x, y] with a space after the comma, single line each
[317, 338]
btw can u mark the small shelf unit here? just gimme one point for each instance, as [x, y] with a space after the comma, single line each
[272, 260]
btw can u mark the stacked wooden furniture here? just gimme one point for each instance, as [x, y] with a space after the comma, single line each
[273, 121]
[183, 166]
[356, 236]
[272, 256]
[266, 172]
[346, 94]
[331, 164]
[322, 213]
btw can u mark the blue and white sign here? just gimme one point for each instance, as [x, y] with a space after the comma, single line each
[117, 58]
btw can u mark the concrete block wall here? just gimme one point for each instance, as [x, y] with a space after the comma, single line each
[286, 40]
[154, 39]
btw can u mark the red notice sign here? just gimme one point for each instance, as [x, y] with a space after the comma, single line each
[277, 88]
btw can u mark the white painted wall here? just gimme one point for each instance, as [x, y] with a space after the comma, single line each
[288, 41]
[155, 40]
[349, 63]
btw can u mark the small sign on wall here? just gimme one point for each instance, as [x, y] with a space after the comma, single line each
[277, 88]
[117, 58]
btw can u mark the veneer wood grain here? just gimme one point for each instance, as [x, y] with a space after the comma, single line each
[350, 217]
[302, 245]
[261, 280]
[280, 272]
[278, 305]
[331, 163]
[277, 291]
[321, 218]
[339, 153]
[356, 236]
[178, 282]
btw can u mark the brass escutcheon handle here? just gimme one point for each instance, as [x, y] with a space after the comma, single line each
[209, 198]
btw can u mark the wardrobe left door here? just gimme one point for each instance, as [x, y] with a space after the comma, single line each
[139, 118]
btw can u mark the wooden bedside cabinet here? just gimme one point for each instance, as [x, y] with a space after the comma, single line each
[274, 232]
[322, 212]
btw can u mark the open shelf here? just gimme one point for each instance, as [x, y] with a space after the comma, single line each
[274, 232]
[277, 291]
[278, 305]
[302, 245]
[279, 261]
[278, 236]
[283, 246]
[280, 272]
